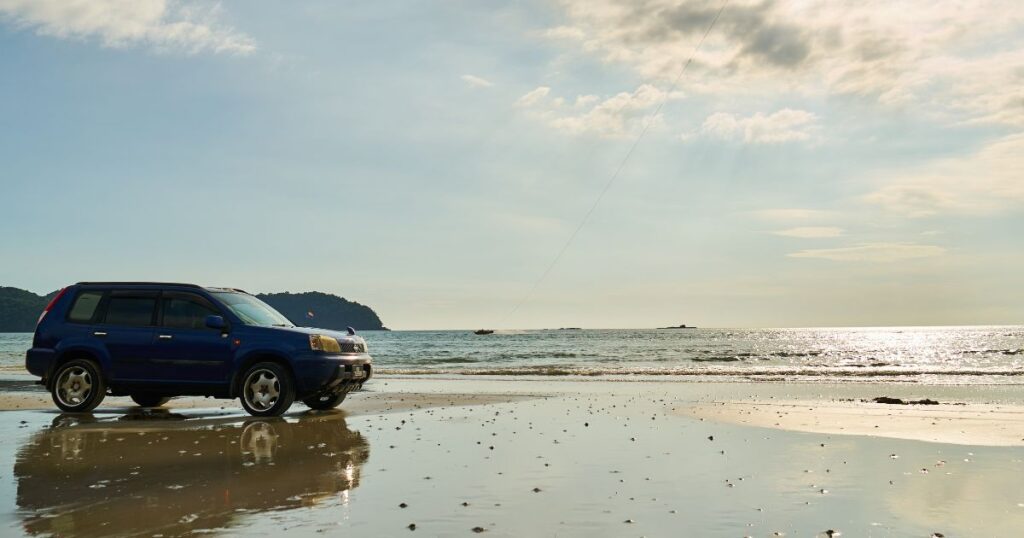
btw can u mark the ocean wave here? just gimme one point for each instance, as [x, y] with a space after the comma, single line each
[837, 372]
[448, 360]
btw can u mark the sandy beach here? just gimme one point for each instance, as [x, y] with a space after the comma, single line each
[567, 457]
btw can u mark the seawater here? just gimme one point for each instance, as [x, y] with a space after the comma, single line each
[993, 354]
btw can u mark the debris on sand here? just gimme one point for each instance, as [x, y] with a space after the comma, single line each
[899, 401]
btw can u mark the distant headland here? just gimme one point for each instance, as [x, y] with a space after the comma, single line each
[683, 326]
[19, 310]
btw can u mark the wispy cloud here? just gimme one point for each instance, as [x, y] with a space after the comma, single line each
[982, 183]
[616, 116]
[786, 125]
[873, 252]
[158, 24]
[811, 232]
[476, 82]
[791, 214]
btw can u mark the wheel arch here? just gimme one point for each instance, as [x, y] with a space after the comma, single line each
[78, 352]
[253, 358]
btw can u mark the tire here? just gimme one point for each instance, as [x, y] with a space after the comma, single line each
[325, 401]
[267, 390]
[78, 386]
[149, 400]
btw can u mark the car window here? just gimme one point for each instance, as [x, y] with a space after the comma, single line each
[130, 311]
[85, 306]
[251, 310]
[186, 313]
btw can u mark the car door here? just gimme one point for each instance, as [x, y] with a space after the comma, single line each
[185, 349]
[126, 329]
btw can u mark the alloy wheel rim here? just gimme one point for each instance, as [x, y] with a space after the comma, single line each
[74, 386]
[262, 389]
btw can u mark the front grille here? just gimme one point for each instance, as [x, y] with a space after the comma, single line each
[353, 347]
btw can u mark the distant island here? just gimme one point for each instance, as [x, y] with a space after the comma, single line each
[683, 326]
[19, 310]
[329, 311]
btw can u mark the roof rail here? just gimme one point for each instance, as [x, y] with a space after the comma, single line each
[182, 284]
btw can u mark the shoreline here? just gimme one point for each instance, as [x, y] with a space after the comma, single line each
[977, 415]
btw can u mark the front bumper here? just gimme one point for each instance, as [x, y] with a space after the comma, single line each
[317, 373]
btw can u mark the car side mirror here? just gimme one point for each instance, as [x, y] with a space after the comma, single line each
[216, 322]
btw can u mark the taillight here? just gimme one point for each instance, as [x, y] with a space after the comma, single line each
[50, 304]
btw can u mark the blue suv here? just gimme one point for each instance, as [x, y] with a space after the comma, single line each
[153, 341]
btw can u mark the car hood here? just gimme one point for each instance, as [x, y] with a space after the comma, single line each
[337, 335]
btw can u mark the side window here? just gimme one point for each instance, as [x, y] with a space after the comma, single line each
[182, 312]
[130, 311]
[85, 306]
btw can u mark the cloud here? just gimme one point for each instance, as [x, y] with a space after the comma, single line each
[476, 82]
[534, 96]
[988, 181]
[811, 232]
[786, 125]
[159, 24]
[760, 34]
[791, 214]
[620, 115]
[953, 60]
[873, 252]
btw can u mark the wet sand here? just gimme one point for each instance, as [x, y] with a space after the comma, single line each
[962, 424]
[514, 458]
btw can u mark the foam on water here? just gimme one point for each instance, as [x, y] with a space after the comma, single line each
[965, 354]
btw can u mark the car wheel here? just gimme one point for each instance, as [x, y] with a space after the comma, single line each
[267, 390]
[149, 400]
[79, 386]
[325, 401]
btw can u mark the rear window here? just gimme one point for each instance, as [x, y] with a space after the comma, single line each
[130, 311]
[85, 306]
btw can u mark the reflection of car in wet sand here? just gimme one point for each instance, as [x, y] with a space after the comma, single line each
[146, 477]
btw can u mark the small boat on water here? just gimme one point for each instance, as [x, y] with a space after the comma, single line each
[483, 331]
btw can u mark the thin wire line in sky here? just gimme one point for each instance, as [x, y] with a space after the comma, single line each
[622, 164]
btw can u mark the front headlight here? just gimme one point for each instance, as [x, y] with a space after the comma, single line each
[319, 342]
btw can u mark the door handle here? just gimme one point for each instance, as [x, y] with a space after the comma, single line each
[165, 337]
[99, 333]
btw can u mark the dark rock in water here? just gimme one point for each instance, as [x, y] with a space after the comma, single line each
[899, 401]
[478, 530]
[482, 332]
[412, 526]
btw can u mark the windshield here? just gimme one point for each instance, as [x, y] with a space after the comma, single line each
[251, 310]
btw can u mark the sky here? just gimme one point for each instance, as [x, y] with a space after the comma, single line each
[817, 163]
